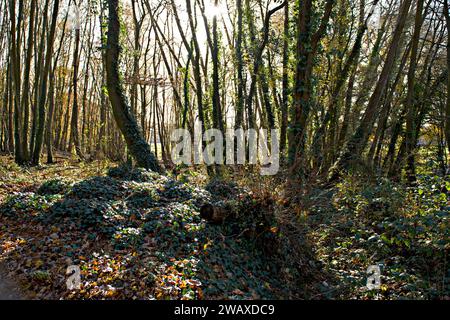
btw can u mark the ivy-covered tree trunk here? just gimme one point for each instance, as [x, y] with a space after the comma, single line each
[410, 98]
[307, 46]
[302, 89]
[216, 103]
[447, 109]
[285, 100]
[138, 147]
[240, 67]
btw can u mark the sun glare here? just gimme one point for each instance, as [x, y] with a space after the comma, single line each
[212, 10]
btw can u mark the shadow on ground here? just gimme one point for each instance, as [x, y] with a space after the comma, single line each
[137, 234]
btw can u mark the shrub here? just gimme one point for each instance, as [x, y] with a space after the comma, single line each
[374, 200]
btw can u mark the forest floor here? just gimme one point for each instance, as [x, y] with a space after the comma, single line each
[138, 235]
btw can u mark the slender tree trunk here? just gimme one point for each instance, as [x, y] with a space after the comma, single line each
[49, 128]
[8, 102]
[285, 100]
[75, 109]
[240, 67]
[39, 61]
[15, 68]
[410, 98]
[447, 109]
[217, 108]
[26, 83]
[266, 97]
[43, 88]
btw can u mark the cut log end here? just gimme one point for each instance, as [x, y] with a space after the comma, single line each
[213, 214]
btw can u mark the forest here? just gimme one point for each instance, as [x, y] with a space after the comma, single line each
[224, 149]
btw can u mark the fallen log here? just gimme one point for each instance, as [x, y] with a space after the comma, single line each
[215, 214]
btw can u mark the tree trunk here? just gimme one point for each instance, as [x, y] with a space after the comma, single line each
[447, 109]
[410, 98]
[49, 129]
[125, 120]
[75, 110]
[43, 88]
[240, 67]
[307, 45]
[15, 68]
[217, 109]
[285, 100]
[26, 83]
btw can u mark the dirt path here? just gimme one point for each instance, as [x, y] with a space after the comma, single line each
[9, 290]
